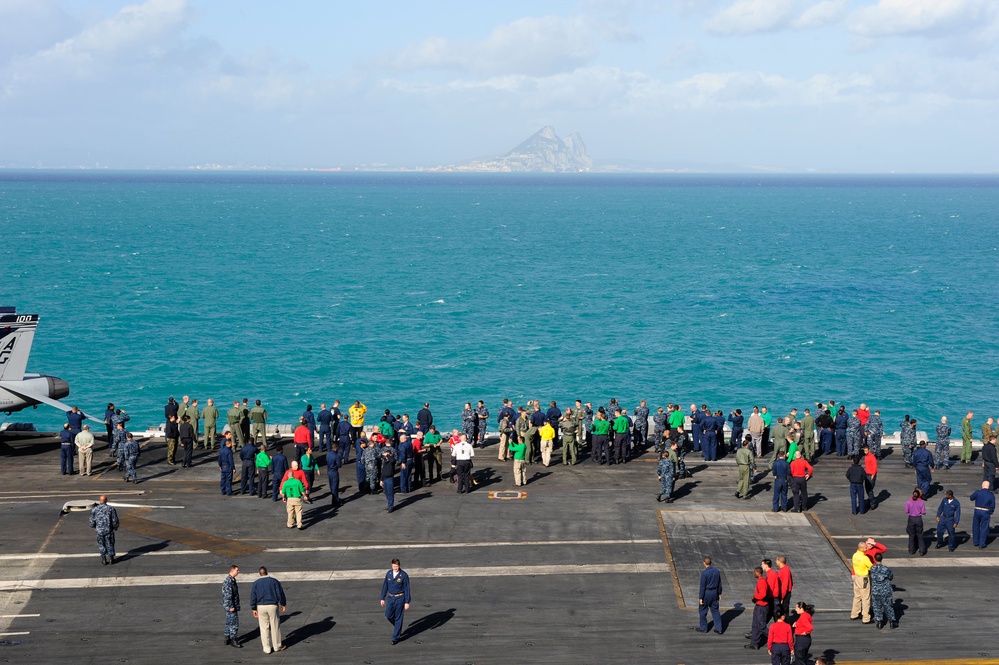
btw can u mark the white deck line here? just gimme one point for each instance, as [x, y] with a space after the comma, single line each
[339, 575]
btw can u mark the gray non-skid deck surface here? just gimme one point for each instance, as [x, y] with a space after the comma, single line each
[598, 523]
[738, 541]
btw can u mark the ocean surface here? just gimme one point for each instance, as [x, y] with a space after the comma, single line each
[402, 288]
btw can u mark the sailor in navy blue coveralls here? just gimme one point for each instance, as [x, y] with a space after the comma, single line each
[395, 598]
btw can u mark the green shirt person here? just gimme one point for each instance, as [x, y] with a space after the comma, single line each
[519, 450]
[600, 427]
[621, 424]
[293, 488]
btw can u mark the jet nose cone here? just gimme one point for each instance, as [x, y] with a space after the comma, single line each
[58, 388]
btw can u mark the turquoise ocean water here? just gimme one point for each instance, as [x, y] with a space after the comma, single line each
[401, 288]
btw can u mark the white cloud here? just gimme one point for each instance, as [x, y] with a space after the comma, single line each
[533, 46]
[940, 17]
[745, 17]
[134, 29]
[751, 16]
[821, 14]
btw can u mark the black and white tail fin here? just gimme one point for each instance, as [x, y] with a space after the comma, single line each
[17, 331]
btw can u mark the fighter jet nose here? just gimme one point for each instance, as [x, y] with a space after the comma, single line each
[57, 387]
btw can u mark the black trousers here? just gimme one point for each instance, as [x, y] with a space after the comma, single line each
[914, 527]
[246, 485]
[600, 449]
[619, 449]
[464, 476]
[802, 643]
[263, 481]
[799, 490]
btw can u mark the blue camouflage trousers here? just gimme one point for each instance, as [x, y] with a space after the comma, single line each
[942, 451]
[105, 544]
[667, 486]
[882, 605]
[231, 624]
[130, 469]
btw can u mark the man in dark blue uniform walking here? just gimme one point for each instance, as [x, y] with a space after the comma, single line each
[922, 459]
[333, 464]
[395, 598]
[948, 517]
[709, 594]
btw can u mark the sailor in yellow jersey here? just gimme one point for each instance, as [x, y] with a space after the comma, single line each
[356, 414]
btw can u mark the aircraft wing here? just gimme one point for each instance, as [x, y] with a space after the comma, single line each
[12, 386]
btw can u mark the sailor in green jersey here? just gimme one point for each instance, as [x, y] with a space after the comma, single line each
[519, 451]
[676, 420]
[601, 434]
[620, 427]
[432, 454]
[262, 462]
[293, 490]
[309, 467]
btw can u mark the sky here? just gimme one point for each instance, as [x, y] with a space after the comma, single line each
[783, 85]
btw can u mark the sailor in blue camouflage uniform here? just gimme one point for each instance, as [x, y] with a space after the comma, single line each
[943, 444]
[907, 439]
[104, 519]
[118, 435]
[641, 434]
[882, 602]
[230, 602]
[875, 430]
[666, 471]
[854, 435]
[659, 423]
[369, 457]
[131, 456]
[468, 422]
[482, 422]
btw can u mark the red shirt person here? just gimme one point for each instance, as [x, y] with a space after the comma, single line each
[786, 583]
[801, 471]
[780, 641]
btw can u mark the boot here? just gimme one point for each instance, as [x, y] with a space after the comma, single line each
[104, 560]
[894, 625]
[228, 641]
[235, 643]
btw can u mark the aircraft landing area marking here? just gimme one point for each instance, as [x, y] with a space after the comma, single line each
[197, 539]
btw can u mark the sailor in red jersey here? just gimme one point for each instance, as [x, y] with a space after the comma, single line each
[761, 603]
[802, 632]
[786, 584]
[773, 584]
[801, 471]
[780, 641]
